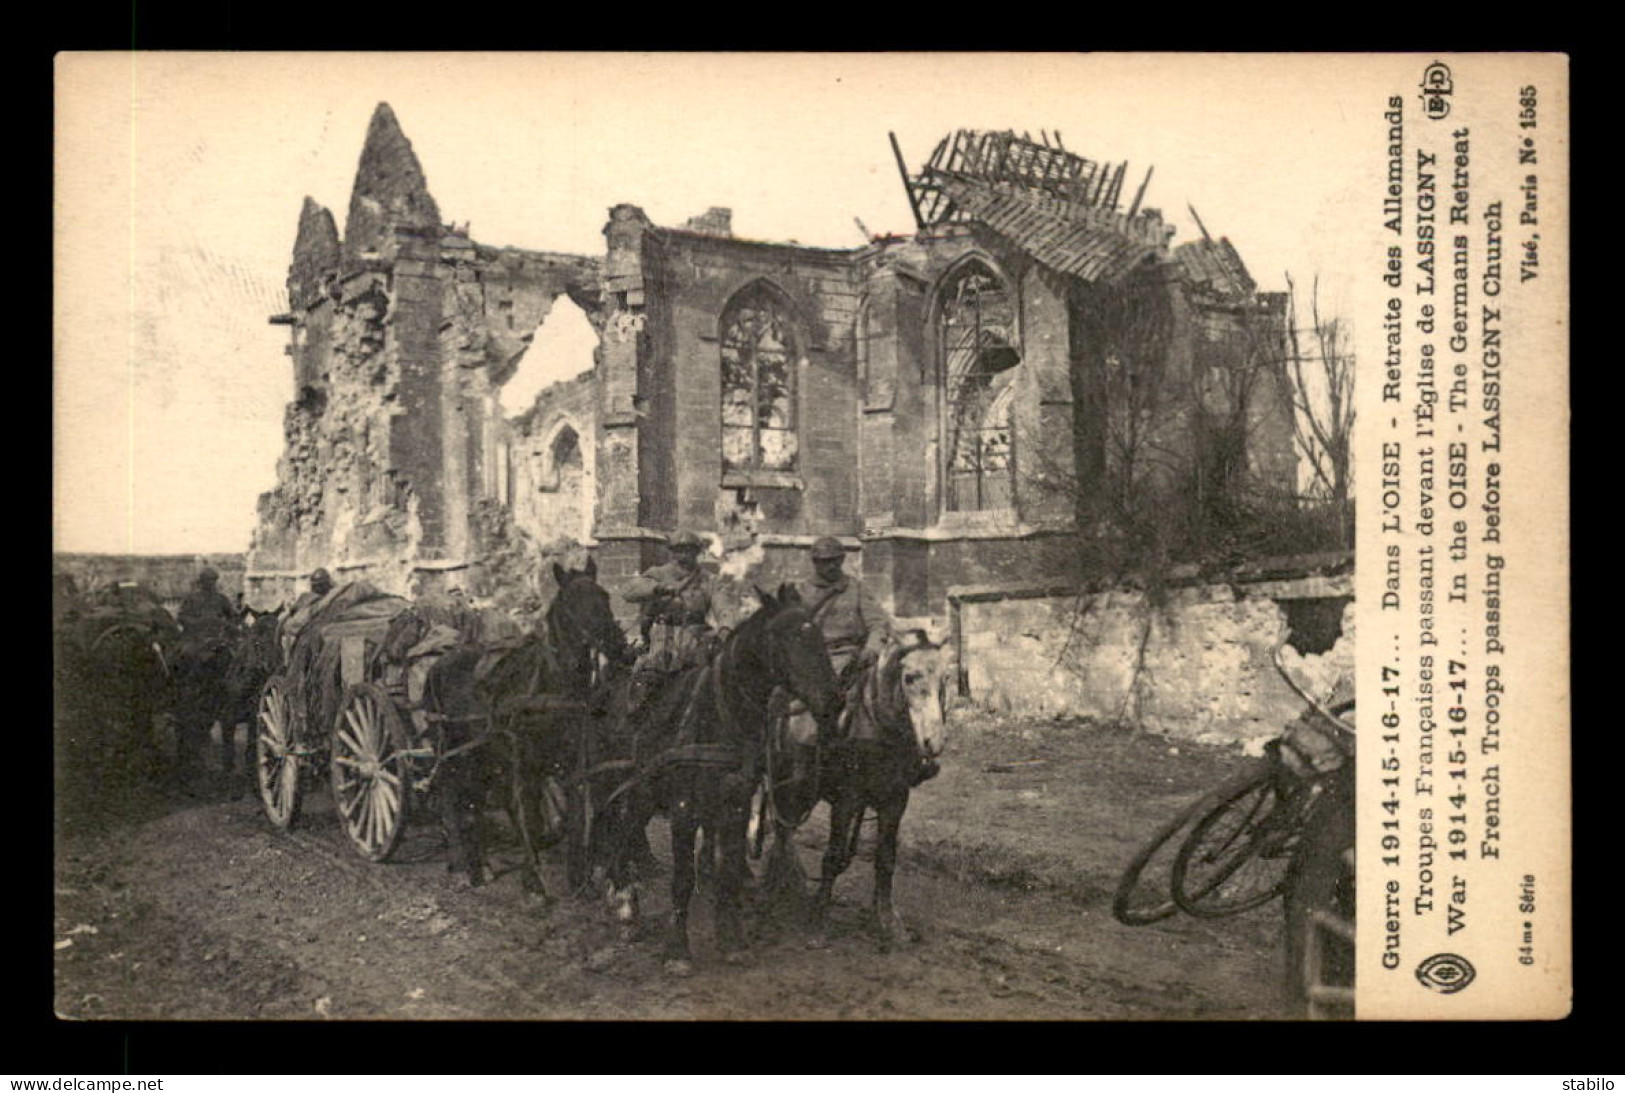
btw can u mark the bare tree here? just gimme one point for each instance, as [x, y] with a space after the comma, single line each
[1130, 324]
[1322, 376]
[1189, 458]
[1225, 379]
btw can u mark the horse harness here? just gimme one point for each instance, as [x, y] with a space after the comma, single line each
[686, 752]
[770, 802]
[547, 666]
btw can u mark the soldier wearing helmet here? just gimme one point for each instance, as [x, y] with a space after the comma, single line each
[208, 623]
[674, 616]
[855, 626]
[321, 585]
[206, 615]
[856, 629]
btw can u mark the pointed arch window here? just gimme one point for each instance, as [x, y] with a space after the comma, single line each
[564, 457]
[760, 352]
[980, 352]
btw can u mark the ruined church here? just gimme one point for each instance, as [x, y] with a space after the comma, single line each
[943, 402]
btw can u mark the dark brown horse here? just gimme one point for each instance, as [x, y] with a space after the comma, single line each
[221, 682]
[696, 754]
[509, 718]
[895, 712]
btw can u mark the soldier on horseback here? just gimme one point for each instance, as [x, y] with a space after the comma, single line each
[674, 617]
[856, 629]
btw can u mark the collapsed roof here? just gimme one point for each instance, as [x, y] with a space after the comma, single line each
[1061, 208]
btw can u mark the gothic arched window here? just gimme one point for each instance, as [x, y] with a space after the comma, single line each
[980, 352]
[760, 352]
[565, 453]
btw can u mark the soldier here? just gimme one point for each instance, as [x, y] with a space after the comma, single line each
[321, 583]
[674, 603]
[207, 617]
[208, 625]
[856, 629]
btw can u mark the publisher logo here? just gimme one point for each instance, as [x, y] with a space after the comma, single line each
[1436, 89]
[1446, 973]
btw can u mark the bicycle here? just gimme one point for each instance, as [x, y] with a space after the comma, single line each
[1237, 846]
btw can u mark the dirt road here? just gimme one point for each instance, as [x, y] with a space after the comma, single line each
[172, 908]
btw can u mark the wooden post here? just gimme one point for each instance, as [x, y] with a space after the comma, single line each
[1199, 223]
[1140, 194]
[902, 169]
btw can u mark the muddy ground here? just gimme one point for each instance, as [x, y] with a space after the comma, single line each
[169, 907]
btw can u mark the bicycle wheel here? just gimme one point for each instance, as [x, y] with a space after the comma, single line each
[1235, 858]
[1144, 894]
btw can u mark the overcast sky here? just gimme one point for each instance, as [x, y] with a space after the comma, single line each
[180, 177]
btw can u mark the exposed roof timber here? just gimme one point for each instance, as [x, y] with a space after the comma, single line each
[1102, 245]
[1117, 186]
[1199, 223]
[902, 169]
[1061, 207]
[1005, 159]
[1140, 193]
[1215, 264]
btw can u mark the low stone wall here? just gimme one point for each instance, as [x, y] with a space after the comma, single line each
[170, 576]
[1196, 665]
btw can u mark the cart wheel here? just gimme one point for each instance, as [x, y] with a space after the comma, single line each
[276, 766]
[371, 771]
[1320, 911]
[1144, 894]
[1236, 857]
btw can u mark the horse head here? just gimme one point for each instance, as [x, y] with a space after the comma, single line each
[793, 650]
[912, 690]
[581, 616]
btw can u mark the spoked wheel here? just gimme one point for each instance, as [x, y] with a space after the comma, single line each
[1320, 908]
[276, 764]
[371, 772]
[1237, 856]
[1144, 894]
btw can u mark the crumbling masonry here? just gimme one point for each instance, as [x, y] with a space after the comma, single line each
[938, 400]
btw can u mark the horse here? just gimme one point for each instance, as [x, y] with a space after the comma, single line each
[256, 657]
[114, 676]
[532, 696]
[695, 757]
[200, 698]
[895, 712]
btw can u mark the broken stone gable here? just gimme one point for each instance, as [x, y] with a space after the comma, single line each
[934, 400]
